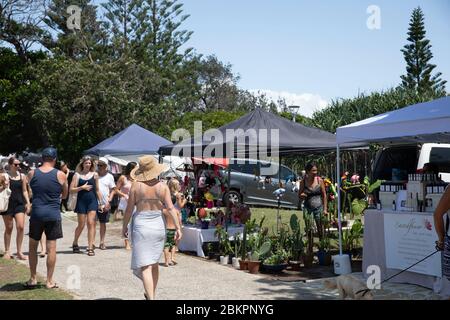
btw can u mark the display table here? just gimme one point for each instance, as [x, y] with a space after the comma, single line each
[194, 237]
[395, 240]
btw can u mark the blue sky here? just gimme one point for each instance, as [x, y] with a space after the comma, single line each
[313, 51]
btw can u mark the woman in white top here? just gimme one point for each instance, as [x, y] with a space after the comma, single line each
[147, 230]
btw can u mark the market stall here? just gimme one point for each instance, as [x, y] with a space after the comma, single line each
[401, 232]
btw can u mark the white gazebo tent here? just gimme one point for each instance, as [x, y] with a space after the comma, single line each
[419, 123]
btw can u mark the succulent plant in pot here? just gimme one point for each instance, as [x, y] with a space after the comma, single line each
[259, 251]
[309, 245]
[296, 243]
[277, 262]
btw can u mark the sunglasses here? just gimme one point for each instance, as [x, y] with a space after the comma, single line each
[16, 164]
[101, 165]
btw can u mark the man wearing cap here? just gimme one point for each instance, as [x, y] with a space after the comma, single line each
[107, 187]
[49, 185]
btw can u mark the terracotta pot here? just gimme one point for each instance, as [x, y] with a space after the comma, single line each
[243, 264]
[253, 266]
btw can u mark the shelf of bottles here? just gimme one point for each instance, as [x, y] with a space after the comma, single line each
[421, 193]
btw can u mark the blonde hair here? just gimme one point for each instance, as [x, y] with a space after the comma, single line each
[79, 167]
[173, 185]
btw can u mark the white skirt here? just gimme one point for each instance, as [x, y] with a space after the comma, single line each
[148, 234]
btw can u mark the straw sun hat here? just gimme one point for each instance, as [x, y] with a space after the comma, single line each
[148, 169]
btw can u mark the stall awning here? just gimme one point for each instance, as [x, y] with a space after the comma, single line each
[418, 123]
[221, 162]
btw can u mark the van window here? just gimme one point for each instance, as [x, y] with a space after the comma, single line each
[248, 168]
[287, 174]
[403, 158]
[441, 157]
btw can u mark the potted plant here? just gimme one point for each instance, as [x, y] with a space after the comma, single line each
[224, 244]
[309, 246]
[296, 243]
[249, 227]
[356, 232]
[277, 262]
[237, 248]
[259, 251]
[323, 254]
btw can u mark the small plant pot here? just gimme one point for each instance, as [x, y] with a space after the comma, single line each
[224, 260]
[236, 262]
[308, 260]
[324, 258]
[295, 265]
[230, 258]
[253, 267]
[243, 265]
[211, 255]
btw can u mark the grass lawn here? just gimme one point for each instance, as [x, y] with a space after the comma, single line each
[271, 222]
[271, 217]
[12, 277]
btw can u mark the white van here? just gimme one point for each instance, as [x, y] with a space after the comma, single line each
[411, 159]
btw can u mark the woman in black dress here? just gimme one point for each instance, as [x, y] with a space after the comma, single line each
[19, 205]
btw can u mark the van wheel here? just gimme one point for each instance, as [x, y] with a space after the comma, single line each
[233, 197]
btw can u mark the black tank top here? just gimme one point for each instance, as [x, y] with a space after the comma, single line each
[16, 190]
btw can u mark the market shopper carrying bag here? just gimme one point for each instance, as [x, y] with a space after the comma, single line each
[5, 193]
[442, 231]
[73, 196]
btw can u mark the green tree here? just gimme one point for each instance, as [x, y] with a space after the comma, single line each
[18, 93]
[81, 103]
[122, 24]
[20, 25]
[417, 55]
[90, 42]
[158, 38]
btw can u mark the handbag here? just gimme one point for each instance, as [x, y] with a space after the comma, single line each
[4, 199]
[73, 196]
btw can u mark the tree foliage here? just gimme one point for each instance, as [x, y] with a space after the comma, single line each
[417, 55]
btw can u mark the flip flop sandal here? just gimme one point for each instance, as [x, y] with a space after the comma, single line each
[102, 247]
[76, 249]
[28, 286]
[90, 252]
[55, 286]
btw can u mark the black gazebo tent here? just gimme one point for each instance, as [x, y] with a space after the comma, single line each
[251, 133]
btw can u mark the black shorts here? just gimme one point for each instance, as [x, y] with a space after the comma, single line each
[103, 217]
[52, 229]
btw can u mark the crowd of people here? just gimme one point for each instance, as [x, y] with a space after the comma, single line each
[150, 208]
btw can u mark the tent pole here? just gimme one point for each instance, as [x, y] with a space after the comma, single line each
[279, 195]
[229, 188]
[338, 178]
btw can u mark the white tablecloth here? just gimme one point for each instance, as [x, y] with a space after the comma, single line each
[193, 238]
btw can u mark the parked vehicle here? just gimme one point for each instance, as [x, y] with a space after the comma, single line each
[411, 159]
[250, 187]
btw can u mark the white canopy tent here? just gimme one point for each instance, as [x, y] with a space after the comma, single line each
[419, 123]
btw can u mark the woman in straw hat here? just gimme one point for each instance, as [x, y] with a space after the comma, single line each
[147, 228]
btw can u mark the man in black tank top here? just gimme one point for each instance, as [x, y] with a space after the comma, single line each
[49, 186]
